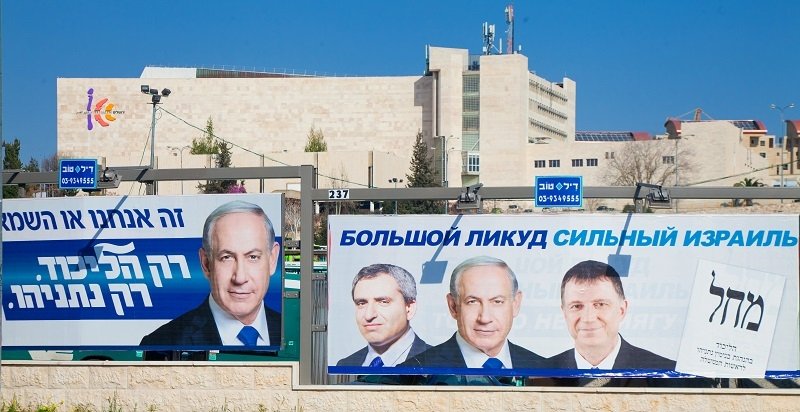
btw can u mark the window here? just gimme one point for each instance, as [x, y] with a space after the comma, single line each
[470, 122]
[609, 155]
[538, 164]
[473, 162]
[668, 160]
[555, 163]
[577, 162]
[591, 162]
[471, 103]
[762, 154]
[761, 143]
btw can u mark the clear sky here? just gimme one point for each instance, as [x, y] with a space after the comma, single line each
[635, 62]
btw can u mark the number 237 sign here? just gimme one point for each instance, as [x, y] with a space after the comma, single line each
[334, 194]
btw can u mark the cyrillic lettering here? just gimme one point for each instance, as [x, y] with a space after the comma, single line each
[611, 240]
[710, 239]
[507, 238]
[434, 237]
[788, 239]
[539, 239]
[596, 237]
[755, 238]
[364, 238]
[415, 238]
[475, 237]
[380, 235]
[557, 239]
[737, 239]
[347, 238]
[643, 239]
[451, 237]
[395, 239]
[667, 237]
[577, 237]
[629, 237]
[523, 236]
[491, 238]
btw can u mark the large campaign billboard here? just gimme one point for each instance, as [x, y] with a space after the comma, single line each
[166, 272]
[586, 295]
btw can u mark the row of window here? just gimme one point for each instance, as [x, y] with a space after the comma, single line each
[557, 163]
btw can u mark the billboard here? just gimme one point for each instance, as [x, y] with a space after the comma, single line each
[133, 272]
[564, 295]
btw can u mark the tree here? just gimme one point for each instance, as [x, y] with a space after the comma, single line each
[220, 150]
[206, 144]
[321, 229]
[292, 217]
[11, 161]
[316, 141]
[647, 162]
[342, 207]
[421, 175]
[747, 182]
[32, 166]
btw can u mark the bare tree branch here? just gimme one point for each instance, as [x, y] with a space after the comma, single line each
[652, 161]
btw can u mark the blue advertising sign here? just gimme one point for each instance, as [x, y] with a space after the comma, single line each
[77, 174]
[107, 272]
[558, 191]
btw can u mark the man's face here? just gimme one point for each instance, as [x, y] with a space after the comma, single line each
[593, 312]
[486, 307]
[241, 264]
[382, 315]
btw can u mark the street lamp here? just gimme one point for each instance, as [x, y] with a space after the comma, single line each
[395, 181]
[155, 98]
[444, 157]
[783, 136]
[175, 152]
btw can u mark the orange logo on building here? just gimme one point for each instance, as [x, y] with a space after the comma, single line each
[101, 112]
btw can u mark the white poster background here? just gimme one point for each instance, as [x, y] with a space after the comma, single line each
[658, 286]
[716, 339]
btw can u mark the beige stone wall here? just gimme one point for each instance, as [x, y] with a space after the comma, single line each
[370, 124]
[223, 386]
[269, 117]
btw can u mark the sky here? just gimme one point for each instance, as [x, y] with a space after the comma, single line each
[636, 62]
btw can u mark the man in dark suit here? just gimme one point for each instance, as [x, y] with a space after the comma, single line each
[484, 299]
[238, 256]
[385, 297]
[594, 305]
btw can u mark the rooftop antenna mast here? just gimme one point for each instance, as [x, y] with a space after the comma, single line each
[488, 38]
[510, 31]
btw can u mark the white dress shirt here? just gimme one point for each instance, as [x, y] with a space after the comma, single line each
[475, 358]
[607, 363]
[228, 326]
[397, 353]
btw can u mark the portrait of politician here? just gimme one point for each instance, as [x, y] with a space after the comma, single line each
[484, 299]
[238, 256]
[385, 298]
[594, 305]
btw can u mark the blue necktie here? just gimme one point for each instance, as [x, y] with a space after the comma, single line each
[376, 363]
[493, 363]
[248, 335]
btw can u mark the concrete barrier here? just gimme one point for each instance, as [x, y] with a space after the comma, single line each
[273, 386]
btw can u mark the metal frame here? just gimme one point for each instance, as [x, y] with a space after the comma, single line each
[309, 194]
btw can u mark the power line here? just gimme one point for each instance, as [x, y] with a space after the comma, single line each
[733, 175]
[215, 136]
